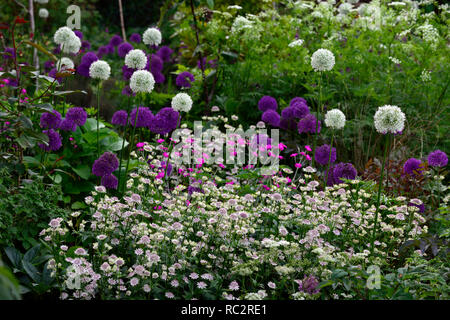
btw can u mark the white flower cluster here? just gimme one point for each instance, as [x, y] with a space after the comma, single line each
[296, 43]
[429, 33]
[142, 81]
[335, 119]
[425, 76]
[322, 60]
[389, 119]
[100, 70]
[136, 59]
[395, 60]
[152, 37]
[43, 13]
[240, 23]
[64, 63]
[67, 39]
[182, 102]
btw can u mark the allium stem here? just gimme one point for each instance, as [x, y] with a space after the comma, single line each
[98, 118]
[380, 184]
[123, 143]
[131, 141]
[317, 116]
[329, 159]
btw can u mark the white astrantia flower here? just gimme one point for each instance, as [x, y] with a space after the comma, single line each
[389, 119]
[43, 13]
[295, 43]
[65, 63]
[136, 59]
[335, 119]
[63, 35]
[345, 8]
[322, 60]
[100, 70]
[182, 102]
[72, 46]
[152, 36]
[142, 81]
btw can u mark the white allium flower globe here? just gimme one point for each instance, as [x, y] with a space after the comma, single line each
[335, 119]
[136, 59]
[43, 13]
[100, 70]
[389, 119]
[322, 60]
[65, 63]
[142, 81]
[182, 102]
[152, 36]
[72, 46]
[63, 35]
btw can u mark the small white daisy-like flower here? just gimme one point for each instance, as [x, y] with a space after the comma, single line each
[136, 59]
[152, 36]
[100, 70]
[64, 64]
[63, 35]
[322, 60]
[295, 43]
[182, 102]
[389, 119]
[71, 46]
[43, 13]
[335, 119]
[142, 81]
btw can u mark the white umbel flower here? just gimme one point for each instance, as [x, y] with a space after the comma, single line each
[65, 63]
[322, 60]
[389, 119]
[43, 13]
[152, 37]
[142, 81]
[182, 102]
[240, 23]
[100, 70]
[335, 119]
[136, 59]
[63, 35]
[295, 43]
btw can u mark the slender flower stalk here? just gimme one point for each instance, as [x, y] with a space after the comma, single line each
[98, 118]
[329, 158]
[123, 144]
[132, 139]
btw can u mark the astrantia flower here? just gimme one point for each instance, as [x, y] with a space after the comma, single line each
[184, 79]
[119, 118]
[54, 141]
[267, 103]
[165, 121]
[335, 119]
[50, 120]
[389, 119]
[271, 117]
[164, 53]
[135, 37]
[152, 37]
[322, 154]
[136, 59]
[308, 124]
[105, 165]
[144, 117]
[100, 70]
[413, 167]
[77, 115]
[142, 81]
[322, 60]
[123, 49]
[182, 102]
[109, 181]
[43, 13]
[115, 40]
[343, 170]
[437, 158]
[64, 64]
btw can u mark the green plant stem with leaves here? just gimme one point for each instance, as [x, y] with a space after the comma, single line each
[317, 117]
[329, 158]
[123, 143]
[131, 140]
[98, 118]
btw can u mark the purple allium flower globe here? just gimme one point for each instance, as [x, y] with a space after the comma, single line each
[85, 45]
[164, 53]
[52, 73]
[156, 64]
[127, 91]
[159, 77]
[127, 72]
[297, 100]
[184, 79]
[54, 141]
[135, 37]
[437, 158]
[79, 34]
[48, 65]
[144, 117]
[413, 167]
[165, 121]
[86, 61]
[105, 165]
[123, 49]
[109, 181]
[301, 110]
[50, 120]
[308, 124]
[322, 154]
[115, 40]
[343, 170]
[119, 118]
[77, 115]
[271, 117]
[68, 125]
[288, 123]
[267, 103]
[102, 51]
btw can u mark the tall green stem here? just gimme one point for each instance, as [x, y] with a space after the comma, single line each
[123, 143]
[131, 141]
[317, 117]
[329, 158]
[380, 184]
[98, 119]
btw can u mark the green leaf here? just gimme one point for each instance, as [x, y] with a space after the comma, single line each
[91, 124]
[31, 254]
[31, 271]
[83, 171]
[14, 256]
[210, 4]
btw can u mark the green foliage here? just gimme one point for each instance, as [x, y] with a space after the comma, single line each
[9, 286]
